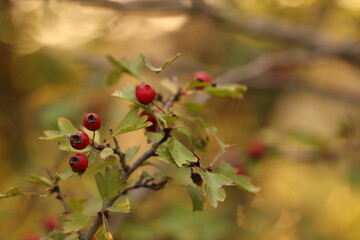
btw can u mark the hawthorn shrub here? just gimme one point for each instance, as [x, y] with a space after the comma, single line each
[171, 140]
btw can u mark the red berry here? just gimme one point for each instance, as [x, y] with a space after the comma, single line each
[32, 237]
[256, 148]
[51, 223]
[145, 93]
[79, 140]
[202, 77]
[92, 121]
[151, 119]
[78, 162]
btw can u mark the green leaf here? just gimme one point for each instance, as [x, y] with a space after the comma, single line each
[241, 181]
[109, 184]
[197, 198]
[131, 152]
[66, 126]
[58, 235]
[212, 186]
[40, 180]
[171, 119]
[128, 93]
[132, 122]
[106, 152]
[164, 154]
[52, 135]
[158, 69]
[114, 76]
[198, 85]
[111, 160]
[180, 154]
[154, 136]
[193, 108]
[76, 204]
[101, 232]
[65, 145]
[66, 174]
[172, 87]
[12, 192]
[124, 67]
[75, 221]
[97, 138]
[223, 146]
[104, 234]
[121, 205]
[227, 91]
[91, 158]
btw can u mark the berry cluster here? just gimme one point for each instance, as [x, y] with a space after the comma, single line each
[80, 140]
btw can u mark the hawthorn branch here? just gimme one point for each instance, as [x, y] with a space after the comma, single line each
[255, 26]
[117, 151]
[146, 155]
[172, 99]
[149, 183]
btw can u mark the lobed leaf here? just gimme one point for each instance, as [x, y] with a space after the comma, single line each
[76, 204]
[66, 127]
[132, 122]
[106, 152]
[158, 69]
[109, 183]
[197, 198]
[241, 181]
[164, 154]
[75, 221]
[212, 186]
[180, 154]
[121, 205]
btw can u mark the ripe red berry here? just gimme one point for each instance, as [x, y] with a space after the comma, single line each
[202, 77]
[92, 121]
[256, 149]
[78, 162]
[51, 223]
[151, 119]
[145, 93]
[79, 140]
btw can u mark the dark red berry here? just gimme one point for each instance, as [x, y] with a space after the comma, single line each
[78, 162]
[202, 77]
[145, 93]
[256, 149]
[51, 223]
[79, 140]
[92, 121]
[151, 119]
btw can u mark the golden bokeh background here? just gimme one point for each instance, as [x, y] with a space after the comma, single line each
[299, 59]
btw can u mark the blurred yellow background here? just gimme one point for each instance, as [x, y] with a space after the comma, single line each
[299, 58]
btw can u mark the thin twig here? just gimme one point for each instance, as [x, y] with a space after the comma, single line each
[117, 151]
[146, 155]
[172, 99]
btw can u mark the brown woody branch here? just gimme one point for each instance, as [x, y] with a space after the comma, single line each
[146, 155]
[256, 26]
